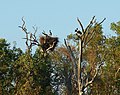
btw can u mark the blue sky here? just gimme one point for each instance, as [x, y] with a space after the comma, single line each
[56, 15]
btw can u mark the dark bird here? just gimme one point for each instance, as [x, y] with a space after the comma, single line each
[78, 31]
[50, 33]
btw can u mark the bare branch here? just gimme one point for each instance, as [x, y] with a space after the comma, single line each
[85, 36]
[80, 25]
[102, 21]
[31, 39]
[35, 30]
[44, 33]
[90, 82]
[23, 27]
[72, 58]
[117, 73]
[51, 46]
[90, 24]
[91, 37]
[91, 34]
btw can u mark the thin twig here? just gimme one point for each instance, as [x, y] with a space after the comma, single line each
[102, 21]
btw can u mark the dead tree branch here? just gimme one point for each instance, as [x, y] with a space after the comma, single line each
[89, 34]
[80, 25]
[85, 36]
[72, 58]
[31, 39]
[117, 73]
[97, 70]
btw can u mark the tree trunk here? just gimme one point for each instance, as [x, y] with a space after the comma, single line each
[79, 68]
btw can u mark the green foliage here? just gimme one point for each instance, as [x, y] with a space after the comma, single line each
[7, 58]
[116, 27]
[24, 74]
[50, 73]
[42, 72]
[109, 81]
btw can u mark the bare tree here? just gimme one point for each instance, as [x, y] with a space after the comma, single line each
[47, 42]
[84, 37]
[30, 38]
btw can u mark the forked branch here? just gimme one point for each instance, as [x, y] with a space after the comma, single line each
[31, 39]
[89, 32]
[72, 58]
[91, 81]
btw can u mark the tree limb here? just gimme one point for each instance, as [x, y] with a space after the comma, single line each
[90, 82]
[80, 25]
[30, 37]
[72, 57]
[117, 73]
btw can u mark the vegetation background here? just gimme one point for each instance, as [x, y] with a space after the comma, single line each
[28, 67]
